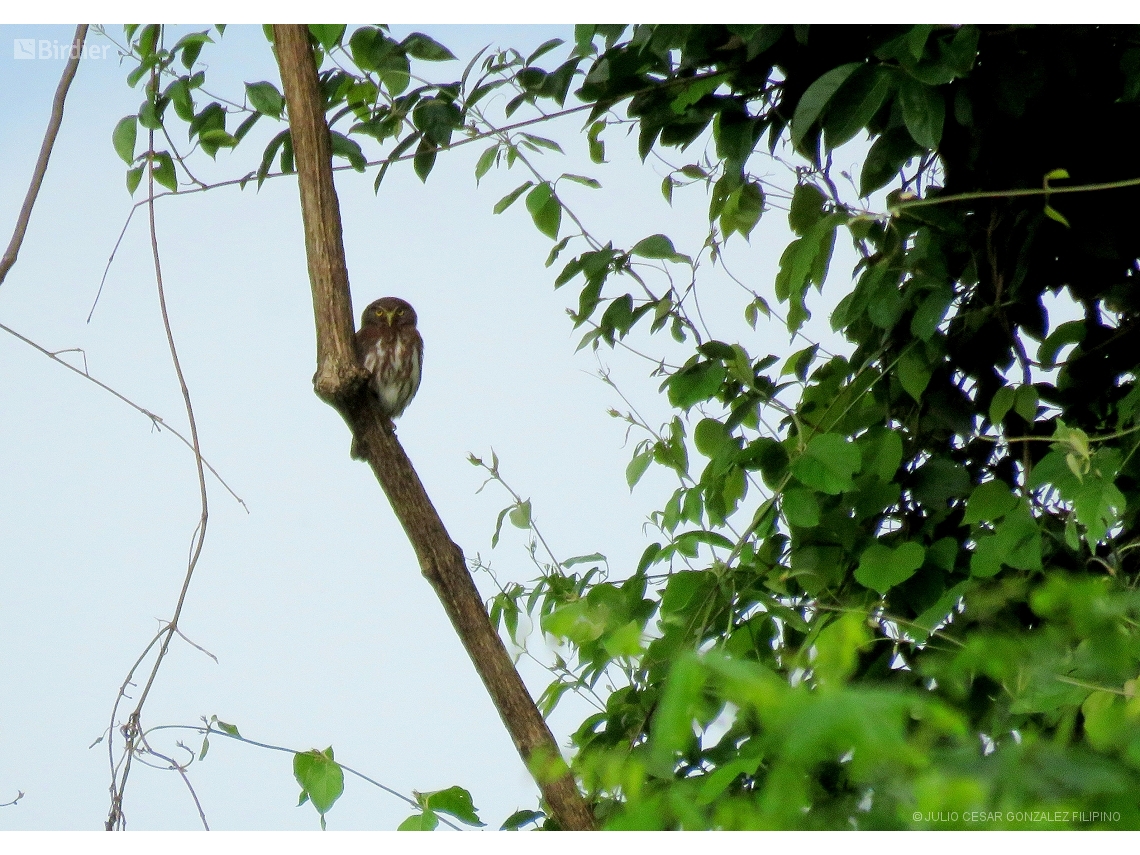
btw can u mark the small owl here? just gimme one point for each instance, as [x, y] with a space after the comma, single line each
[391, 351]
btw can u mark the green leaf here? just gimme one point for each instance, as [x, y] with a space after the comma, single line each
[1053, 214]
[989, 502]
[801, 507]
[150, 115]
[179, 94]
[625, 640]
[320, 777]
[837, 648]
[541, 142]
[437, 118]
[556, 250]
[698, 382]
[671, 729]
[216, 138]
[245, 126]
[455, 801]
[520, 514]
[426, 48]
[656, 246]
[1025, 403]
[1001, 404]
[426, 821]
[805, 261]
[881, 451]
[597, 146]
[813, 102]
[164, 171]
[148, 38]
[394, 71]
[1070, 332]
[1016, 542]
[486, 161]
[637, 467]
[710, 436]
[329, 35]
[511, 197]
[349, 149]
[190, 46]
[924, 111]
[265, 98]
[592, 558]
[123, 138]
[888, 154]
[931, 312]
[545, 209]
[947, 604]
[575, 621]
[134, 176]
[806, 209]
[584, 180]
[742, 209]
[882, 568]
[424, 158]
[1108, 720]
[521, 817]
[855, 104]
[543, 49]
[914, 373]
[828, 463]
[270, 152]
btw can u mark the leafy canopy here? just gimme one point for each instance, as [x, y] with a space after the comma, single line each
[893, 587]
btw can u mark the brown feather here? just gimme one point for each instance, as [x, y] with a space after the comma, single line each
[391, 350]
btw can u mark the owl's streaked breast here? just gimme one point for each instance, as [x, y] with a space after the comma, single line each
[395, 363]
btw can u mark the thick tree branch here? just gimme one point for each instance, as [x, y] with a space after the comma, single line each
[339, 382]
[337, 368]
[54, 122]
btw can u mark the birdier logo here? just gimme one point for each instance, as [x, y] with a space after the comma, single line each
[54, 49]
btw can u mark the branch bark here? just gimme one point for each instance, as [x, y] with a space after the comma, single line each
[13, 250]
[340, 382]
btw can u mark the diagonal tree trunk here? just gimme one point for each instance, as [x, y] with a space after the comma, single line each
[339, 381]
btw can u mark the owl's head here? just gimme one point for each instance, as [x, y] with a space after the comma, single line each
[390, 311]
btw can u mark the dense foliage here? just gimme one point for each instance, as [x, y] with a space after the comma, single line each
[928, 619]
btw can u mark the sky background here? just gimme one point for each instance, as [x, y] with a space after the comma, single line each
[325, 632]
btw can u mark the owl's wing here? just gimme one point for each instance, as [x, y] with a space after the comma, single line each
[417, 360]
[365, 343]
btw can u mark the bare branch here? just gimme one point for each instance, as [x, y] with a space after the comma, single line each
[156, 420]
[19, 795]
[132, 730]
[38, 173]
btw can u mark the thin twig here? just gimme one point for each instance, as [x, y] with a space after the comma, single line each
[156, 420]
[38, 173]
[181, 770]
[210, 730]
[19, 795]
[132, 730]
[905, 205]
[111, 258]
